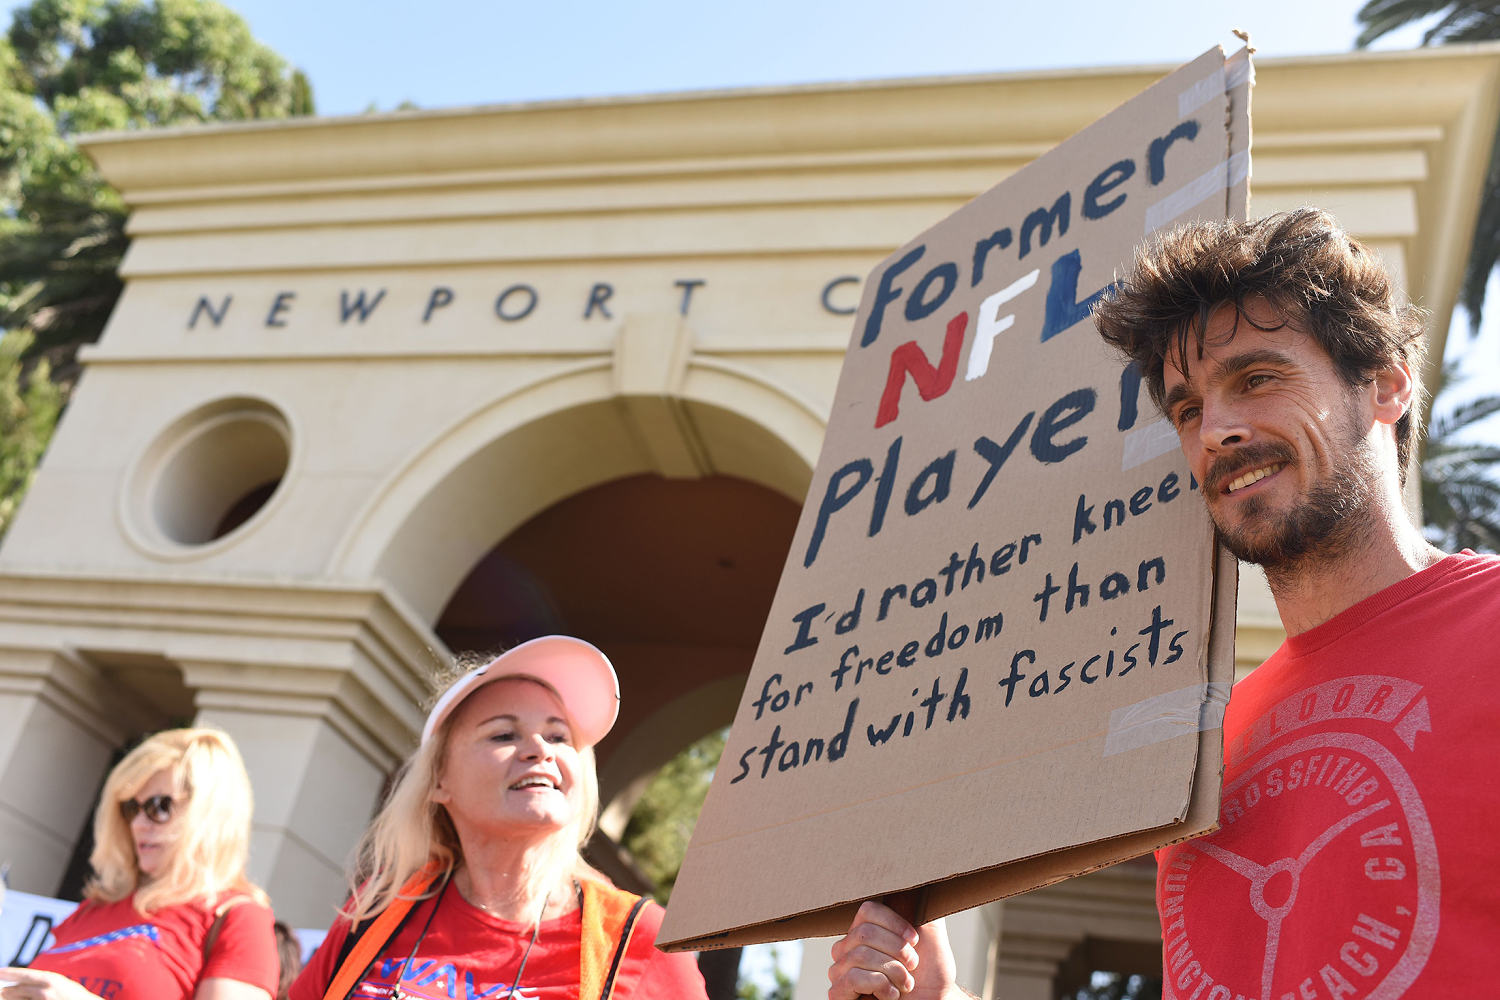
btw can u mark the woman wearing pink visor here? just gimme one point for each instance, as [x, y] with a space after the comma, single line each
[469, 883]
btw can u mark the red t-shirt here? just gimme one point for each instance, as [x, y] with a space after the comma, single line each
[1356, 855]
[118, 953]
[468, 954]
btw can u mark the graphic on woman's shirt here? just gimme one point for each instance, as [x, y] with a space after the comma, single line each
[148, 931]
[426, 979]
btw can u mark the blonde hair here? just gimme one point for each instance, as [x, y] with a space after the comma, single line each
[213, 804]
[411, 832]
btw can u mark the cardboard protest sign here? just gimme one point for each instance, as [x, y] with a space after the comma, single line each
[995, 657]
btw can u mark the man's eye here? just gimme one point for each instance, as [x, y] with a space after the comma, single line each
[1258, 379]
[1185, 415]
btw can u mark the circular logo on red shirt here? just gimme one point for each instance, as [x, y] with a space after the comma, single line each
[1326, 855]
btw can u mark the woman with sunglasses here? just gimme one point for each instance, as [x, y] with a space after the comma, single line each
[469, 883]
[169, 913]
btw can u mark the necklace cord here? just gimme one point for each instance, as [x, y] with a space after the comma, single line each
[536, 929]
[398, 994]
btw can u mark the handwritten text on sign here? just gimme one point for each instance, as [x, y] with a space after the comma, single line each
[988, 571]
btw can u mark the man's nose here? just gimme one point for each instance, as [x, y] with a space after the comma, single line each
[1223, 426]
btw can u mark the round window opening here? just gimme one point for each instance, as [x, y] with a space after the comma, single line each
[214, 470]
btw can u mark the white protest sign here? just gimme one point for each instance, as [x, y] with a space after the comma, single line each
[26, 922]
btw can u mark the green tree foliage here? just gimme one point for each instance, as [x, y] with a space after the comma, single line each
[780, 988]
[29, 407]
[1460, 492]
[1470, 21]
[659, 827]
[74, 66]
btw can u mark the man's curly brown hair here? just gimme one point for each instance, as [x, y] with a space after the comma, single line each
[1319, 279]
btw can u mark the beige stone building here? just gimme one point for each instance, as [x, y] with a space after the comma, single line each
[386, 386]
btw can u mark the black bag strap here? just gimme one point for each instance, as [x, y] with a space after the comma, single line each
[358, 931]
[419, 882]
[352, 938]
[624, 943]
[212, 938]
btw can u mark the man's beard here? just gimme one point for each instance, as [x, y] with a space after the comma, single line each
[1324, 524]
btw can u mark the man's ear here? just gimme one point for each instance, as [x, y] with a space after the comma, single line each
[1395, 392]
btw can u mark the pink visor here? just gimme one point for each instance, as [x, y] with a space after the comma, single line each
[581, 675]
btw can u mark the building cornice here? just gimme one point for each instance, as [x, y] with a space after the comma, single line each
[1026, 112]
[1395, 143]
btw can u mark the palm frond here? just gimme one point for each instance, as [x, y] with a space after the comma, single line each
[1466, 21]
[1463, 417]
[1381, 17]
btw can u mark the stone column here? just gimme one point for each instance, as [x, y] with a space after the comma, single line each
[60, 723]
[1041, 930]
[320, 684]
[974, 935]
[316, 787]
[1026, 964]
[321, 732]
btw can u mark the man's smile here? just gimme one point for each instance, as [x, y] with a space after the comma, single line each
[1254, 476]
[1243, 467]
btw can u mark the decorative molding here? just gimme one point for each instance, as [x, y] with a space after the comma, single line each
[1362, 90]
[354, 654]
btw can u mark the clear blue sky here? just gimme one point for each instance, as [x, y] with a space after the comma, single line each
[361, 54]
[446, 53]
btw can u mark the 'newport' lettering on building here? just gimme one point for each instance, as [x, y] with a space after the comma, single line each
[512, 304]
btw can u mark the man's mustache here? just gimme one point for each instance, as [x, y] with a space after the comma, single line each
[1229, 466]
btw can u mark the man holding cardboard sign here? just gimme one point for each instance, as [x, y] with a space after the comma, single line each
[1352, 858]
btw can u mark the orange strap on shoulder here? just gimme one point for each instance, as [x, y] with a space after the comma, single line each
[609, 921]
[368, 947]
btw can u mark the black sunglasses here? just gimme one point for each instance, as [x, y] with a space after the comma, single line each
[158, 808]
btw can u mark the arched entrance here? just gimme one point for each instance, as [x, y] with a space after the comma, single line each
[655, 526]
[459, 494]
[672, 578]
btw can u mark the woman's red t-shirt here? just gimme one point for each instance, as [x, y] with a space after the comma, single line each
[119, 953]
[468, 954]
